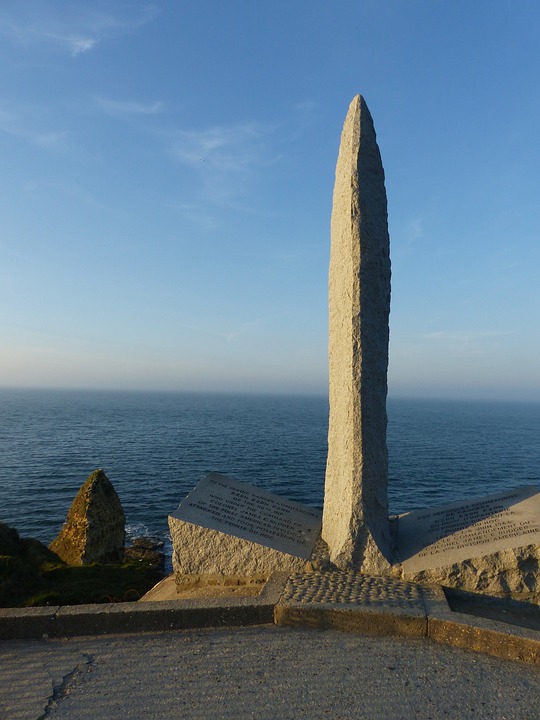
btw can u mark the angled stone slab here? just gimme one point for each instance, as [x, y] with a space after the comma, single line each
[490, 544]
[352, 602]
[450, 533]
[355, 519]
[231, 528]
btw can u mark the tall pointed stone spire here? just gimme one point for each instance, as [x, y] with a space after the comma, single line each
[355, 516]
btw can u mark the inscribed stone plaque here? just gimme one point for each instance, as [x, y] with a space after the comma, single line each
[447, 534]
[237, 508]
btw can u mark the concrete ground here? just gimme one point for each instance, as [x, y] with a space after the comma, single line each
[265, 672]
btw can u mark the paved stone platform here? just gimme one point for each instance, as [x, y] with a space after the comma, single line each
[353, 602]
[351, 588]
[265, 672]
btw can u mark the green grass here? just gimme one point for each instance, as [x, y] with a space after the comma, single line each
[30, 575]
[94, 584]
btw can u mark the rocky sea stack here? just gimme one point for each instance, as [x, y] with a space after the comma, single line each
[94, 531]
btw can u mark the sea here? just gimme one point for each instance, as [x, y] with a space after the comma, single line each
[156, 446]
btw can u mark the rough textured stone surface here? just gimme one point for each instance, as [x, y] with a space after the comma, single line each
[202, 551]
[487, 544]
[248, 512]
[446, 534]
[352, 602]
[355, 518]
[514, 572]
[351, 588]
[94, 530]
[231, 528]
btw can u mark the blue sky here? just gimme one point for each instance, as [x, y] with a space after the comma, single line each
[166, 185]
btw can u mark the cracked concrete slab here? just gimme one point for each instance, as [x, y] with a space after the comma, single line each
[34, 676]
[268, 673]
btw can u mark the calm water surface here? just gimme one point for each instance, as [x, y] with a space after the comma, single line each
[155, 447]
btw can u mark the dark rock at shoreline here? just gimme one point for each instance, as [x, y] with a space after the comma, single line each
[149, 550]
[94, 531]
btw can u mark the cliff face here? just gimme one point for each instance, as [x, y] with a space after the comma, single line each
[94, 530]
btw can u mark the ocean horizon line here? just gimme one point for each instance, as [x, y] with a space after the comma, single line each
[392, 396]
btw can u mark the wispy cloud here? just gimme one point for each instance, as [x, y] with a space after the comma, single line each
[244, 329]
[79, 45]
[416, 228]
[306, 106]
[465, 336]
[409, 236]
[195, 213]
[226, 160]
[226, 335]
[464, 342]
[224, 149]
[128, 107]
[77, 193]
[18, 125]
[74, 28]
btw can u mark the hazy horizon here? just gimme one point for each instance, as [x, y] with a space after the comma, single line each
[266, 393]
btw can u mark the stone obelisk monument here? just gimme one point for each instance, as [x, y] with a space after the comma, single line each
[355, 517]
